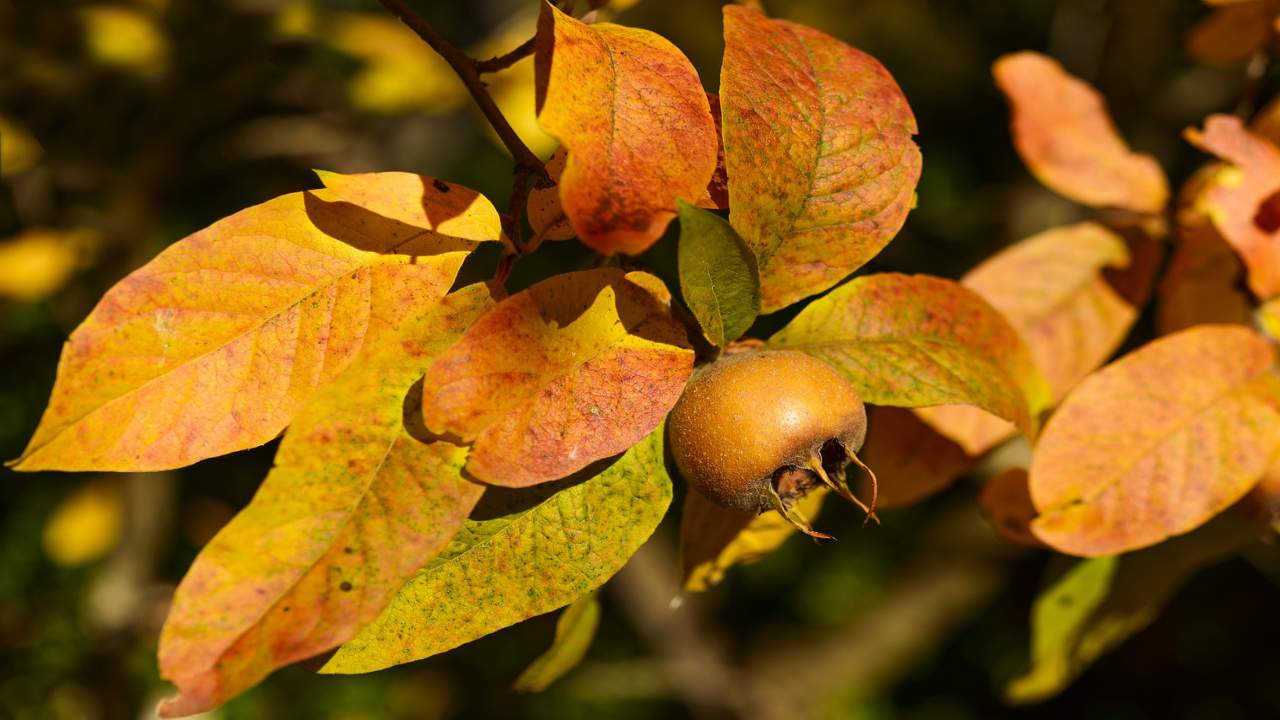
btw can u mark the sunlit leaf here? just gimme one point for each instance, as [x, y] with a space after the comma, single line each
[400, 72]
[85, 526]
[575, 630]
[213, 345]
[38, 262]
[522, 553]
[631, 111]
[1064, 134]
[1051, 288]
[819, 151]
[546, 216]
[718, 275]
[911, 459]
[916, 340]
[124, 37]
[577, 368]
[1006, 501]
[354, 505]
[1100, 602]
[1240, 197]
[1158, 442]
[714, 539]
[19, 149]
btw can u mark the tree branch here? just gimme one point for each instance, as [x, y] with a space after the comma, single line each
[468, 70]
[506, 60]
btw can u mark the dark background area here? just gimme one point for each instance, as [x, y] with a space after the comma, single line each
[154, 118]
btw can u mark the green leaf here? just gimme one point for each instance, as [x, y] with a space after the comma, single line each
[1102, 601]
[916, 341]
[718, 275]
[522, 553]
[575, 630]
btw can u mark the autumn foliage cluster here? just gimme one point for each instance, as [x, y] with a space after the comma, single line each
[456, 459]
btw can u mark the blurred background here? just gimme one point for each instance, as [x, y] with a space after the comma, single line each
[127, 125]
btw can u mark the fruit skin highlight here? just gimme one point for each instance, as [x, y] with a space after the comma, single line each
[757, 430]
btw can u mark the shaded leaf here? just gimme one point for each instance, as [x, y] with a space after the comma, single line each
[1006, 501]
[1158, 442]
[212, 346]
[522, 553]
[819, 152]
[575, 630]
[1203, 283]
[353, 506]
[125, 38]
[718, 275]
[1051, 289]
[631, 111]
[1233, 33]
[1100, 602]
[1064, 134]
[1236, 196]
[717, 194]
[19, 149]
[916, 340]
[714, 539]
[912, 461]
[577, 368]
[546, 216]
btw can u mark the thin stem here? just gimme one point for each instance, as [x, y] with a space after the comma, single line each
[468, 70]
[506, 60]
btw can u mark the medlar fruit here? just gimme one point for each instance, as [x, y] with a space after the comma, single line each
[758, 430]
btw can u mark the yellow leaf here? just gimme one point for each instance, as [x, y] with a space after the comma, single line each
[19, 150]
[125, 38]
[85, 526]
[575, 630]
[401, 73]
[37, 263]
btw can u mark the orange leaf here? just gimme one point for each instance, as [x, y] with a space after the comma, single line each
[577, 368]
[213, 345]
[631, 110]
[1232, 33]
[1051, 289]
[1006, 501]
[1238, 196]
[1065, 136]
[912, 461]
[354, 505]
[717, 194]
[546, 216]
[817, 138]
[1202, 284]
[1158, 442]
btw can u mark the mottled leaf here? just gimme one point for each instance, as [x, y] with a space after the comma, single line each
[631, 111]
[522, 553]
[1100, 602]
[819, 152]
[1158, 442]
[577, 368]
[916, 340]
[1064, 134]
[1051, 288]
[575, 629]
[718, 275]
[354, 505]
[1238, 196]
[714, 539]
[1006, 501]
[912, 461]
[212, 346]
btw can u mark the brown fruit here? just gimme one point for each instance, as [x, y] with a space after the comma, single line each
[757, 430]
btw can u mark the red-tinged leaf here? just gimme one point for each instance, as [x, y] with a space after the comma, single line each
[1064, 134]
[818, 147]
[714, 539]
[1006, 501]
[631, 111]
[912, 461]
[1238, 196]
[575, 369]
[915, 341]
[546, 216]
[213, 345]
[1052, 290]
[1158, 442]
[717, 195]
[1203, 283]
[522, 553]
[1233, 33]
[354, 505]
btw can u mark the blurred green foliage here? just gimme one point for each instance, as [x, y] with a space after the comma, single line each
[143, 121]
